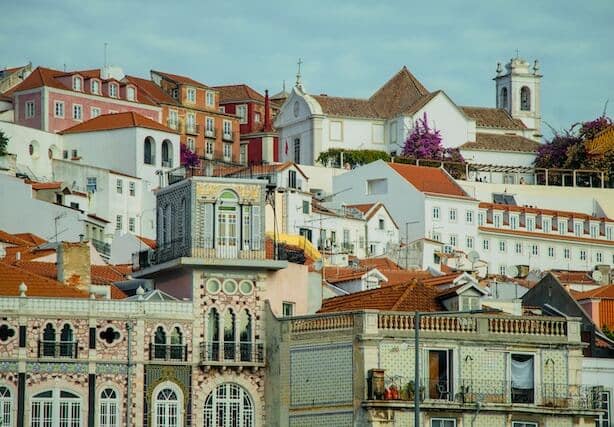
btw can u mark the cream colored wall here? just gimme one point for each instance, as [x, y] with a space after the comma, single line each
[288, 285]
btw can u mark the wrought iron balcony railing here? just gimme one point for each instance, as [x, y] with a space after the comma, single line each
[219, 353]
[168, 352]
[205, 248]
[57, 349]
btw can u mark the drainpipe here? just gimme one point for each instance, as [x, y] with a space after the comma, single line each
[477, 411]
[128, 374]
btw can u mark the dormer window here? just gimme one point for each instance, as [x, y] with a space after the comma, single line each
[112, 90]
[77, 83]
[95, 87]
[130, 93]
[190, 95]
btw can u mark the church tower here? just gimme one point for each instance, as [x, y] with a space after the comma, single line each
[518, 92]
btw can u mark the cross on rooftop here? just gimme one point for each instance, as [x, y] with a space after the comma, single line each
[298, 74]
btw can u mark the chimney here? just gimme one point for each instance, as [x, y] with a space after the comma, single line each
[267, 112]
[73, 264]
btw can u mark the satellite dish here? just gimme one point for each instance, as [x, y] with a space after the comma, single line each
[597, 276]
[512, 271]
[473, 256]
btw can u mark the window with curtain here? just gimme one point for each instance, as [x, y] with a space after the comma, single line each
[522, 372]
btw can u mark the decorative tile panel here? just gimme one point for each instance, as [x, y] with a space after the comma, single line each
[339, 419]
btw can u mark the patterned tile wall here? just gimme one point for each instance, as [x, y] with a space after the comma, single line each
[322, 420]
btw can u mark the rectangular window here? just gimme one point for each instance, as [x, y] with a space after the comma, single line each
[74, 205]
[243, 154]
[551, 252]
[534, 250]
[469, 217]
[513, 222]
[443, 422]
[209, 127]
[437, 236]
[577, 229]
[287, 309]
[393, 132]
[381, 224]
[566, 253]
[227, 152]
[346, 237]
[190, 95]
[291, 179]
[436, 213]
[119, 185]
[77, 84]
[440, 374]
[497, 220]
[132, 188]
[297, 150]
[77, 112]
[530, 224]
[546, 225]
[501, 245]
[222, 109]
[190, 143]
[377, 186]
[502, 270]
[65, 154]
[582, 255]
[227, 126]
[30, 109]
[58, 109]
[94, 112]
[118, 223]
[91, 184]
[453, 239]
[523, 379]
[257, 117]
[209, 149]
[485, 245]
[131, 224]
[173, 119]
[480, 218]
[524, 424]
[604, 402]
[95, 87]
[210, 99]
[518, 248]
[75, 154]
[594, 231]
[130, 93]
[562, 227]
[113, 90]
[305, 206]
[336, 130]
[452, 215]
[241, 112]
[469, 242]
[599, 257]
[609, 233]
[190, 122]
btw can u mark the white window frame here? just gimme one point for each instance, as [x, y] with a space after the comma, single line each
[6, 405]
[210, 98]
[486, 244]
[209, 149]
[496, 219]
[452, 215]
[109, 412]
[119, 185]
[502, 246]
[445, 420]
[562, 227]
[566, 253]
[518, 248]
[78, 107]
[119, 223]
[209, 126]
[162, 411]
[132, 224]
[53, 405]
[57, 104]
[582, 255]
[242, 117]
[95, 112]
[227, 151]
[95, 90]
[551, 252]
[132, 188]
[469, 217]
[453, 240]
[173, 119]
[30, 109]
[113, 90]
[190, 143]
[227, 127]
[436, 213]
[77, 87]
[534, 249]
[233, 401]
[530, 225]
[469, 242]
[91, 182]
[480, 218]
[190, 95]
[130, 93]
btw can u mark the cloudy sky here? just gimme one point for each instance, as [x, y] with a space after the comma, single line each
[349, 48]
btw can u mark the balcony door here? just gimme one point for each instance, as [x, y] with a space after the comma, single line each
[440, 374]
[227, 226]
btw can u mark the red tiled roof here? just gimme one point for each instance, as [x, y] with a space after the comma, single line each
[396, 277]
[493, 118]
[364, 207]
[382, 262]
[124, 120]
[550, 236]
[151, 90]
[429, 180]
[606, 292]
[31, 238]
[346, 107]
[442, 280]
[11, 277]
[180, 79]
[404, 297]
[149, 242]
[342, 274]
[240, 92]
[12, 239]
[493, 142]
[398, 94]
[44, 185]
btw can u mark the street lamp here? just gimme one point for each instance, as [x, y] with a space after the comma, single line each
[418, 314]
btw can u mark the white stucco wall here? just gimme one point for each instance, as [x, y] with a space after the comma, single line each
[443, 228]
[503, 158]
[380, 238]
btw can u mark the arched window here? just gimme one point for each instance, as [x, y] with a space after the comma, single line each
[56, 408]
[48, 342]
[66, 341]
[229, 405]
[245, 335]
[504, 97]
[525, 99]
[229, 335]
[177, 347]
[167, 153]
[149, 150]
[6, 404]
[109, 408]
[160, 343]
[167, 407]
[213, 335]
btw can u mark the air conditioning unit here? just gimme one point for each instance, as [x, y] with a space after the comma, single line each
[448, 249]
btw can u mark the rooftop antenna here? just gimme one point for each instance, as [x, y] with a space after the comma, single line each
[106, 45]
[517, 54]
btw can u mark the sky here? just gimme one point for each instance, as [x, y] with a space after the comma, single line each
[348, 48]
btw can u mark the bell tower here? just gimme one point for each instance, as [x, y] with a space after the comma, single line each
[518, 92]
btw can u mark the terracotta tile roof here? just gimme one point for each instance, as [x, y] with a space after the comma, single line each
[342, 274]
[493, 118]
[370, 209]
[38, 286]
[550, 236]
[271, 168]
[149, 242]
[183, 80]
[421, 102]
[240, 92]
[602, 143]
[100, 274]
[380, 263]
[124, 120]
[398, 94]
[44, 185]
[151, 90]
[405, 297]
[429, 180]
[31, 238]
[12, 239]
[493, 142]
[397, 277]
[364, 207]
[606, 292]
[346, 107]
[442, 280]
[26, 253]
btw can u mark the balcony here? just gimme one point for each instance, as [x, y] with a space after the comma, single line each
[215, 249]
[57, 349]
[229, 136]
[173, 124]
[492, 394]
[218, 353]
[168, 352]
[103, 248]
[192, 129]
[210, 133]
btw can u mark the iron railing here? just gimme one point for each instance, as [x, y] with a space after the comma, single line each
[193, 129]
[102, 247]
[169, 352]
[210, 133]
[229, 136]
[232, 353]
[57, 349]
[206, 248]
[472, 391]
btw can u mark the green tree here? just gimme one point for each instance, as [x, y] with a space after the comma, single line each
[4, 141]
[352, 157]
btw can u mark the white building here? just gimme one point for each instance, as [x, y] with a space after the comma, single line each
[423, 201]
[311, 124]
[338, 230]
[381, 231]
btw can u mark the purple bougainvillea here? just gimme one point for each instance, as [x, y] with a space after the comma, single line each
[188, 157]
[426, 143]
